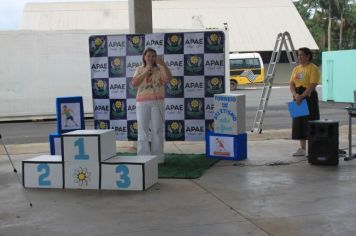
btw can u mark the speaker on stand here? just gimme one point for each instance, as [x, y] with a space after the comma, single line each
[323, 142]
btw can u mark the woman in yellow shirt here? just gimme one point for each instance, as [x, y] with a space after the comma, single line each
[149, 79]
[304, 79]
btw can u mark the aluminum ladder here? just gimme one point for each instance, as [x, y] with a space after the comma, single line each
[283, 39]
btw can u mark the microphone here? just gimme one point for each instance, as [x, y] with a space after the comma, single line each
[150, 70]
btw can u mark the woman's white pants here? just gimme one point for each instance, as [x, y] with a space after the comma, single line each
[150, 112]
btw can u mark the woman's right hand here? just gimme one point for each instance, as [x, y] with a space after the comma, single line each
[298, 98]
[148, 70]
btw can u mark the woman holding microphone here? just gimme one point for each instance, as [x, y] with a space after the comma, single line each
[149, 79]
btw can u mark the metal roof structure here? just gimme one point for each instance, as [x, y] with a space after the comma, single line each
[253, 24]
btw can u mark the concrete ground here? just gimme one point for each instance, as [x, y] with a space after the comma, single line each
[271, 193]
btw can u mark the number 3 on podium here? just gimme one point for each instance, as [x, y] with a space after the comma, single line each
[124, 181]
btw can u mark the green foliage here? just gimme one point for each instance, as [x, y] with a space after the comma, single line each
[342, 15]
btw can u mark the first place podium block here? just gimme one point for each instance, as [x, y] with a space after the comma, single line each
[129, 172]
[42, 172]
[82, 151]
[88, 145]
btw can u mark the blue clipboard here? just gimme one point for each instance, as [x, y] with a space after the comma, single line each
[296, 110]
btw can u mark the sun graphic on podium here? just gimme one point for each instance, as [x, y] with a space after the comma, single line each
[81, 176]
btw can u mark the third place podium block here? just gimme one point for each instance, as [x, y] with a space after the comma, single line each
[82, 151]
[129, 172]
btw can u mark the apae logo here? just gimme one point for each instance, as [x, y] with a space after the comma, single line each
[98, 46]
[117, 44]
[136, 44]
[214, 85]
[214, 63]
[174, 130]
[101, 108]
[174, 43]
[120, 129]
[100, 88]
[101, 124]
[117, 66]
[194, 85]
[99, 67]
[154, 42]
[194, 109]
[133, 64]
[132, 128]
[174, 63]
[118, 109]
[174, 87]
[194, 64]
[194, 41]
[173, 108]
[194, 129]
[214, 42]
[118, 87]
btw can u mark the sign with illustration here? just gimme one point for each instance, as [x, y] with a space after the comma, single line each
[70, 114]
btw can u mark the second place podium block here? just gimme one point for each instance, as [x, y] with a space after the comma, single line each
[42, 172]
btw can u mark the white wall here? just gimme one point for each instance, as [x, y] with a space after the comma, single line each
[38, 66]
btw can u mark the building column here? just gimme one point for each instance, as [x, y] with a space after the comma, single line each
[140, 16]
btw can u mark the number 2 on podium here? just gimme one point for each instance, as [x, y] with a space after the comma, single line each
[80, 144]
[42, 181]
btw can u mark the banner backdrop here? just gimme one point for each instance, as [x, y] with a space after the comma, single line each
[197, 62]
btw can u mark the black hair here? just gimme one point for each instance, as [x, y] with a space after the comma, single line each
[307, 52]
[144, 54]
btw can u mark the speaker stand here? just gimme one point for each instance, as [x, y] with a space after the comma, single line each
[352, 114]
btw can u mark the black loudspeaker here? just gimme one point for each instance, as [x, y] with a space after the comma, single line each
[323, 142]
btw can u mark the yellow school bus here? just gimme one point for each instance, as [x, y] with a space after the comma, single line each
[245, 68]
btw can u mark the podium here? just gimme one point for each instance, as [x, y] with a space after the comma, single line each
[89, 161]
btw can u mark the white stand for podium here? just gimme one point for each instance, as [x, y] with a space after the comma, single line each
[89, 161]
[83, 150]
[132, 172]
[42, 172]
[88, 145]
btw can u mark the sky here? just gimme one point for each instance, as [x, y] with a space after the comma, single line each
[10, 11]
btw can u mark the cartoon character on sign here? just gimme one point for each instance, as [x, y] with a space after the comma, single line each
[69, 113]
[219, 144]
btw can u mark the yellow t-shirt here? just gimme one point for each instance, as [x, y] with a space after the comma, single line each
[151, 88]
[305, 75]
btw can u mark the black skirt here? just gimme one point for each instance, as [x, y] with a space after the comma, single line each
[300, 124]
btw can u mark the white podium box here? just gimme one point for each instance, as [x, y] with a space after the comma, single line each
[43, 172]
[81, 175]
[88, 145]
[129, 172]
[229, 114]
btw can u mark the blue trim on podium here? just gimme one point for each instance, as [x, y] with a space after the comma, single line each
[239, 146]
[52, 147]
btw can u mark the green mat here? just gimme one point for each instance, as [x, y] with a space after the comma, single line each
[182, 166]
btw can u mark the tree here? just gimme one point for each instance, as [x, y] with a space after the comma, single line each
[328, 18]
